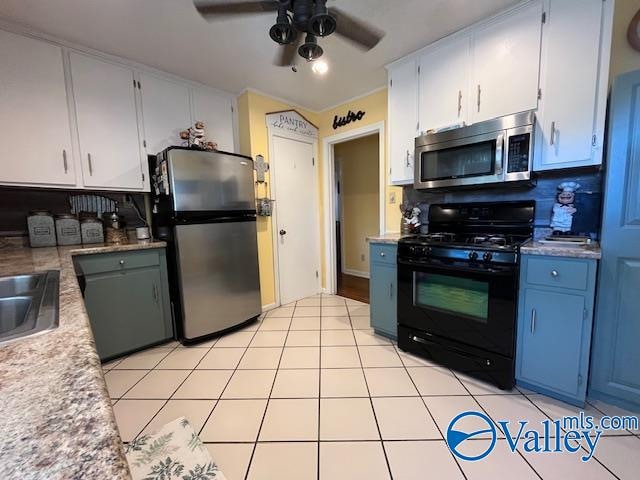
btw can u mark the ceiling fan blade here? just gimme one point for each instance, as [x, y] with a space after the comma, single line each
[287, 53]
[364, 35]
[213, 8]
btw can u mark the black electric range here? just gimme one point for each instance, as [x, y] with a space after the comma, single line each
[458, 287]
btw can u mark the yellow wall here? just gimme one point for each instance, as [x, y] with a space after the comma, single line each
[623, 57]
[375, 106]
[253, 134]
[358, 162]
[252, 108]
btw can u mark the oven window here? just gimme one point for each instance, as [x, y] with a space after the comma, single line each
[472, 160]
[455, 295]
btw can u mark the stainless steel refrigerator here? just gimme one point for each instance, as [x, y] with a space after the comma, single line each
[204, 207]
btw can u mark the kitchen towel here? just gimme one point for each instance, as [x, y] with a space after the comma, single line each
[174, 452]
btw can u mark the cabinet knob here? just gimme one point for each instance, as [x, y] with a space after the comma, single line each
[121, 262]
[554, 273]
[382, 254]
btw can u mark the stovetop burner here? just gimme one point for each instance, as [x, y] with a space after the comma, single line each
[482, 232]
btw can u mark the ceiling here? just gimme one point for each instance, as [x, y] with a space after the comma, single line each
[233, 54]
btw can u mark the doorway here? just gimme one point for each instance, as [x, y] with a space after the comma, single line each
[295, 222]
[357, 212]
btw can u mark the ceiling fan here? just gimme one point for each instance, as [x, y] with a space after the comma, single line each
[298, 25]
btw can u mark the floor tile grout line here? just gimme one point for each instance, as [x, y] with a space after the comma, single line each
[375, 417]
[496, 424]
[266, 408]
[319, 394]
[464, 475]
[178, 388]
[230, 377]
[584, 449]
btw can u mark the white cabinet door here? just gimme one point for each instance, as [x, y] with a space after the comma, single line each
[34, 116]
[403, 120]
[107, 124]
[216, 111]
[506, 59]
[444, 84]
[165, 111]
[570, 92]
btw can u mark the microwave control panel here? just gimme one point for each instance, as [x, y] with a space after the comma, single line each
[518, 152]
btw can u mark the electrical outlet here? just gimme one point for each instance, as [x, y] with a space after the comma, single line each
[362, 257]
[392, 198]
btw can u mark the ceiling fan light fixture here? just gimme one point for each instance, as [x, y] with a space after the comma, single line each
[310, 50]
[282, 31]
[320, 67]
[322, 24]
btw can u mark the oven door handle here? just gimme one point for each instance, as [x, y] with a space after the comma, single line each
[424, 266]
[457, 351]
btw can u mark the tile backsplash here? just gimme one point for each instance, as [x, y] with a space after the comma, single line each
[15, 204]
[588, 199]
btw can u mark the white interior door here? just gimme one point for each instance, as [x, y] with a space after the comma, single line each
[296, 218]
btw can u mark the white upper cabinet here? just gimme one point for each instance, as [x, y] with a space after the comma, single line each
[403, 120]
[107, 124]
[216, 111]
[444, 84]
[165, 111]
[34, 115]
[506, 60]
[573, 81]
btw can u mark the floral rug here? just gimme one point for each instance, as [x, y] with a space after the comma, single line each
[174, 452]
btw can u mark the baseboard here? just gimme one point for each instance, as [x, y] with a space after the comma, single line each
[266, 308]
[355, 273]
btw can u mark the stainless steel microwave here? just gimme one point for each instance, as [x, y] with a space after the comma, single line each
[494, 151]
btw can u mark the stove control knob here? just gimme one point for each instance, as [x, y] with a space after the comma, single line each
[487, 256]
[473, 255]
[413, 250]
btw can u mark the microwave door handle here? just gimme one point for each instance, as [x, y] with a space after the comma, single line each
[499, 154]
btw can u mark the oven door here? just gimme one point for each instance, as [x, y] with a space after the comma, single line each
[466, 161]
[472, 305]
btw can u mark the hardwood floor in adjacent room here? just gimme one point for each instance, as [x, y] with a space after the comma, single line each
[356, 288]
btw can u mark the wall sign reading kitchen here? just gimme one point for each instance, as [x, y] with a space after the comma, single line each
[292, 122]
[347, 119]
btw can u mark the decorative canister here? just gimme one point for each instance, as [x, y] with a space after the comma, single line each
[42, 232]
[91, 230]
[68, 229]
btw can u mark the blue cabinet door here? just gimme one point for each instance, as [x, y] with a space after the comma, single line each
[383, 290]
[615, 376]
[550, 346]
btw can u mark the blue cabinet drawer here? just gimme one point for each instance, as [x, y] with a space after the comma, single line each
[112, 262]
[383, 253]
[557, 272]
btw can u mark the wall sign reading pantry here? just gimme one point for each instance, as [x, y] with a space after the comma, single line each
[347, 119]
[292, 122]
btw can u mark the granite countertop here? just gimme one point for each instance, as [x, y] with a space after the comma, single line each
[56, 417]
[391, 238]
[535, 247]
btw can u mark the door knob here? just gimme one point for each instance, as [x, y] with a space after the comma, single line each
[283, 232]
[554, 273]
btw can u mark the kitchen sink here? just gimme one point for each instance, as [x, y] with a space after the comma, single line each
[28, 305]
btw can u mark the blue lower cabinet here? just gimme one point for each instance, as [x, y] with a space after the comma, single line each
[127, 299]
[555, 318]
[383, 289]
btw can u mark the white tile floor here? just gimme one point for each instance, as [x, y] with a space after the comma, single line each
[309, 392]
